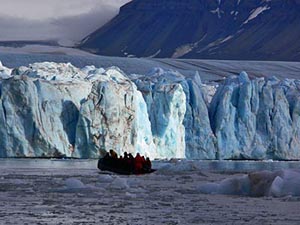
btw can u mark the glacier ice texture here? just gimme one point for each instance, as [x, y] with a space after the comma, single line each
[113, 116]
[55, 109]
[58, 110]
[256, 119]
[192, 131]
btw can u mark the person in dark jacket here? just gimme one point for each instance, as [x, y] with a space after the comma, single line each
[131, 162]
[148, 165]
[127, 162]
[113, 154]
[107, 156]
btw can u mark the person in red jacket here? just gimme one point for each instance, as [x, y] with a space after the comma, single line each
[138, 164]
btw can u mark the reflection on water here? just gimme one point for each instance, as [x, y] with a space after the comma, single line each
[215, 166]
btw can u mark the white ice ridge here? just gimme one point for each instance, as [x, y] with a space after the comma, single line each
[55, 109]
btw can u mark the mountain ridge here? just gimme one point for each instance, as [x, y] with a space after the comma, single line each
[239, 29]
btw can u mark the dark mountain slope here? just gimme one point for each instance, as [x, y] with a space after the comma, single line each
[231, 29]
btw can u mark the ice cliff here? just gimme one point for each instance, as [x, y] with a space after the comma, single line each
[113, 116]
[191, 126]
[55, 109]
[257, 119]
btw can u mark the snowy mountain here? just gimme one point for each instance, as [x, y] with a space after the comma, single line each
[207, 29]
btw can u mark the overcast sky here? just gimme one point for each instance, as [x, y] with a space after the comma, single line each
[54, 19]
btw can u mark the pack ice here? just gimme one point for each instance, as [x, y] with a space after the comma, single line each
[54, 109]
[264, 183]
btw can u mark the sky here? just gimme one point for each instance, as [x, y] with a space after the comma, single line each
[65, 20]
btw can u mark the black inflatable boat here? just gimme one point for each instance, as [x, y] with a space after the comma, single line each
[113, 165]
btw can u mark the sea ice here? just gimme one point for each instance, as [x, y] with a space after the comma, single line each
[119, 184]
[257, 184]
[72, 183]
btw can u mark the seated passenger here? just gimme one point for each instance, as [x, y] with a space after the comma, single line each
[131, 162]
[107, 156]
[127, 162]
[113, 154]
[138, 164]
[148, 165]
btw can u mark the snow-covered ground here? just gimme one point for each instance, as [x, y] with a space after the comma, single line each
[208, 69]
[75, 192]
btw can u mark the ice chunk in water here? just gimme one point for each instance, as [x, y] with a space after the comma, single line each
[119, 183]
[72, 183]
[276, 188]
[264, 183]
[230, 186]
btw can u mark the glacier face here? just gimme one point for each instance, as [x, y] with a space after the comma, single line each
[113, 116]
[192, 131]
[166, 104]
[257, 119]
[54, 109]
[37, 118]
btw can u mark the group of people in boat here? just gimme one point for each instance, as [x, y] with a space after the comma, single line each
[128, 163]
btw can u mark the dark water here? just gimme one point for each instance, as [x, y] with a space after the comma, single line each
[47, 163]
[214, 166]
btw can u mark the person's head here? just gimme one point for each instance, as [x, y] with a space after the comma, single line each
[147, 159]
[125, 154]
[137, 154]
[111, 151]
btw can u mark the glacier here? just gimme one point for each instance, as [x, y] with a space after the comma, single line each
[56, 109]
[53, 110]
[113, 116]
[196, 134]
[256, 119]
